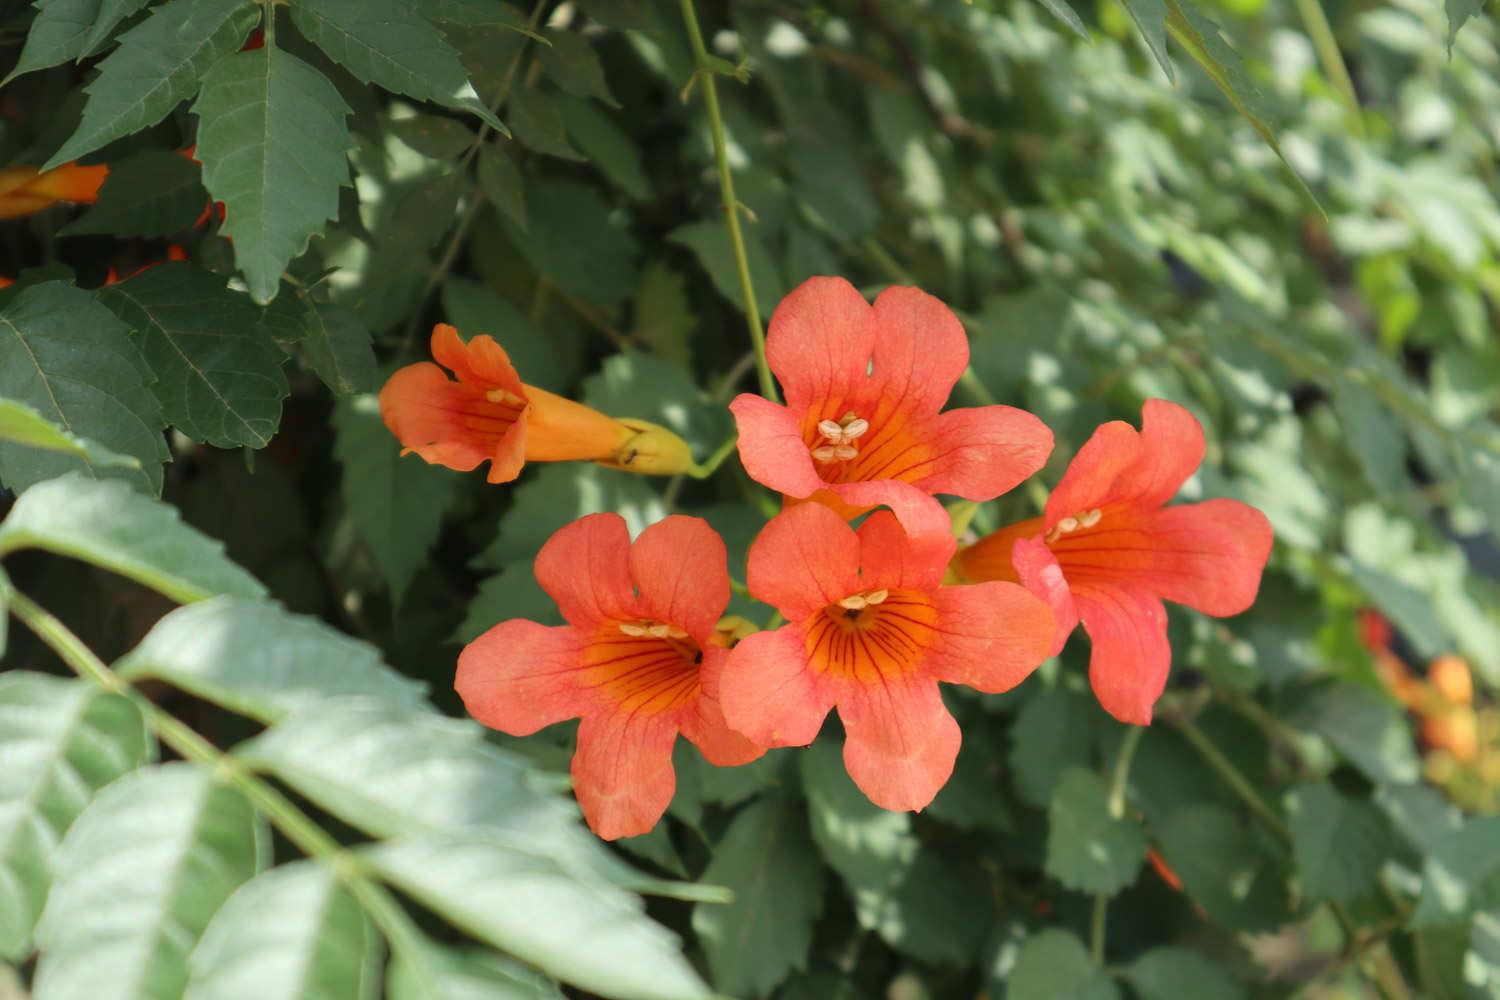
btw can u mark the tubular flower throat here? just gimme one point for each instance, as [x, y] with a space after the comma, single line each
[487, 414]
[638, 662]
[871, 631]
[862, 425]
[1108, 552]
[24, 189]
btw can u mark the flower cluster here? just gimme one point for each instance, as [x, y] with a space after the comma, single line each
[875, 614]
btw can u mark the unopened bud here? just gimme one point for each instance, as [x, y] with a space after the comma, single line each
[650, 450]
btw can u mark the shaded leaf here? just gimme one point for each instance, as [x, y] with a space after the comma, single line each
[573, 239]
[1224, 868]
[56, 36]
[1046, 742]
[709, 240]
[272, 141]
[1458, 12]
[1150, 18]
[500, 180]
[1088, 849]
[1054, 965]
[607, 146]
[663, 318]
[336, 345]
[633, 384]
[150, 193]
[1067, 15]
[110, 526]
[256, 659]
[1175, 973]
[571, 63]
[1365, 728]
[1461, 874]
[1340, 842]
[111, 13]
[159, 64]
[538, 124]
[22, 425]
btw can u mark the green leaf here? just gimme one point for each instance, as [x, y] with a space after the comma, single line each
[575, 239]
[538, 124]
[71, 360]
[433, 136]
[159, 64]
[570, 61]
[1067, 15]
[1365, 728]
[387, 43]
[22, 425]
[1458, 12]
[608, 147]
[446, 974]
[110, 526]
[1174, 973]
[56, 36]
[291, 933]
[766, 858]
[633, 384]
[397, 503]
[1054, 965]
[663, 319]
[1046, 742]
[111, 13]
[1224, 869]
[138, 877]
[549, 360]
[272, 141]
[150, 193]
[1461, 875]
[709, 239]
[1440, 956]
[336, 345]
[591, 935]
[1340, 843]
[218, 375]
[1374, 435]
[1088, 849]
[500, 180]
[254, 658]
[63, 741]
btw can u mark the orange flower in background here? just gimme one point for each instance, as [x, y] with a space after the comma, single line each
[638, 661]
[872, 631]
[862, 425]
[1108, 552]
[24, 189]
[488, 415]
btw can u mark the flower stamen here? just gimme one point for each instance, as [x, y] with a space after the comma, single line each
[654, 629]
[1086, 519]
[839, 437]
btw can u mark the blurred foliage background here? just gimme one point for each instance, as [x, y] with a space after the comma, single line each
[1314, 813]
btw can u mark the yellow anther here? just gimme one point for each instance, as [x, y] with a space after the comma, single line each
[877, 596]
[854, 602]
[634, 631]
[504, 396]
[1091, 518]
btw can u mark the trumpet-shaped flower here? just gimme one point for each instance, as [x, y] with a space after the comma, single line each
[1108, 552]
[872, 631]
[24, 189]
[862, 425]
[638, 662]
[487, 414]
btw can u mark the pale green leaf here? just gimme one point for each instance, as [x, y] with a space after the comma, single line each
[290, 933]
[138, 877]
[218, 374]
[1364, 727]
[22, 425]
[158, 65]
[109, 525]
[62, 740]
[1061, 10]
[592, 935]
[154, 192]
[67, 357]
[1088, 849]
[253, 658]
[1461, 874]
[272, 140]
[1150, 17]
[445, 974]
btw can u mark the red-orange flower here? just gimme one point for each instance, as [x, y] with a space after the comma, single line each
[861, 427]
[1108, 552]
[872, 631]
[487, 415]
[24, 189]
[638, 661]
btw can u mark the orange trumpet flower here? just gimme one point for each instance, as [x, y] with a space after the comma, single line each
[25, 190]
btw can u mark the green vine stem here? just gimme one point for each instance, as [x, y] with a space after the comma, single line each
[1116, 803]
[707, 72]
[295, 825]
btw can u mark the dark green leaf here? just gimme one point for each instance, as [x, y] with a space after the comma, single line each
[1054, 965]
[138, 877]
[432, 136]
[571, 63]
[63, 741]
[1046, 742]
[1365, 728]
[1458, 12]
[291, 933]
[71, 360]
[111, 13]
[160, 63]
[56, 36]
[109, 525]
[607, 146]
[1374, 436]
[500, 179]
[388, 43]
[218, 375]
[397, 502]
[22, 425]
[538, 124]
[336, 345]
[1175, 973]
[709, 239]
[1461, 875]
[1340, 842]
[766, 858]
[1440, 953]
[150, 193]
[574, 239]
[272, 141]
[256, 659]
[1088, 849]
[1224, 869]
[632, 384]
[526, 905]
[663, 318]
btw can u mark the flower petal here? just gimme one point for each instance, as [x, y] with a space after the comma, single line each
[681, 572]
[520, 676]
[585, 567]
[771, 447]
[451, 425]
[1131, 658]
[769, 693]
[1209, 555]
[481, 362]
[900, 741]
[985, 451]
[920, 351]
[804, 559]
[929, 529]
[622, 771]
[1117, 466]
[1171, 451]
[1040, 573]
[990, 636]
[1090, 479]
[819, 342]
[706, 727]
[888, 560]
[990, 558]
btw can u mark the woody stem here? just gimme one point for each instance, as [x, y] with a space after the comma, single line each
[1116, 802]
[708, 76]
